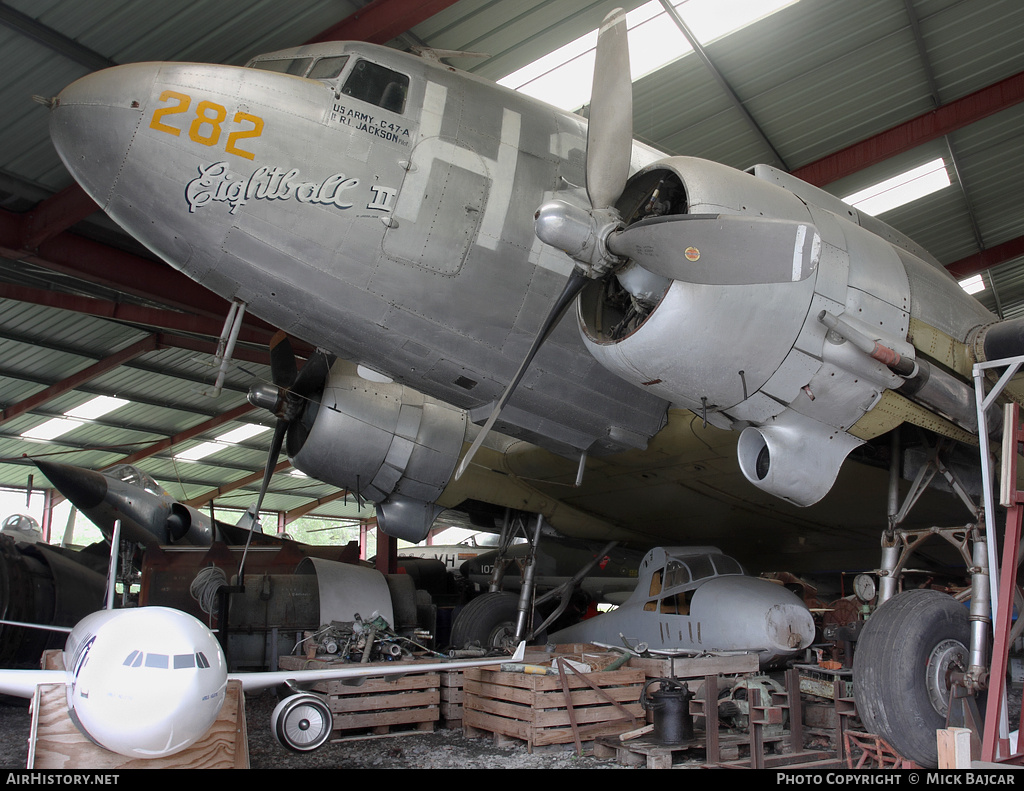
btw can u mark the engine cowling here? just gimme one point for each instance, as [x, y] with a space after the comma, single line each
[390, 444]
[740, 341]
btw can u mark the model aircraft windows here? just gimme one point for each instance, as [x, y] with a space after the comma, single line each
[727, 565]
[201, 660]
[679, 604]
[370, 82]
[184, 661]
[676, 573]
[700, 566]
[294, 66]
[134, 659]
[327, 68]
[160, 661]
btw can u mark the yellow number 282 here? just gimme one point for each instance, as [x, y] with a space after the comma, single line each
[206, 127]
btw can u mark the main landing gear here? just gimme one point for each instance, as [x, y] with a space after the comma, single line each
[498, 619]
[921, 658]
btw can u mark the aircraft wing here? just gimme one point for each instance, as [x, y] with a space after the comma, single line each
[23, 683]
[254, 682]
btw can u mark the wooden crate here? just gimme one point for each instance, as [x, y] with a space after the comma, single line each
[452, 695]
[534, 708]
[380, 705]
[56, 743]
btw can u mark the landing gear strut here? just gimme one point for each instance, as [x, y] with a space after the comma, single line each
[922, 657]
[501, 620]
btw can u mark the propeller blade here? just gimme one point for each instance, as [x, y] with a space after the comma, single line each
[577, 280]
[282, 360]
[313, 374]
[610, 129]
[721, 250]
[275, 450]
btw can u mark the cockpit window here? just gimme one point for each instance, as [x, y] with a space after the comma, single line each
[727, 565]
[157, 660]
[295, 66]
[373, 83]
[135, 477]
[328, 68]
[164, 662]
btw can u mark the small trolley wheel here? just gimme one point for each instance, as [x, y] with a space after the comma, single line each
[302, 722]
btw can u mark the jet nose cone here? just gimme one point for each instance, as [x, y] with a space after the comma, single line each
[84, 488]
[93, 121]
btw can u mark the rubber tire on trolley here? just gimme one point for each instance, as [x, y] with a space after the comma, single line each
[488, 621]
[899, 669]
[302, 722]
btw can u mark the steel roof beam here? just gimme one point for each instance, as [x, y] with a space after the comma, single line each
[50, 38]
[133, 314]
[203, 499]
[312, 505]
[924, 128]
[987, 259]
[187, 434]
[55, 214]
[148, 344]
[382, 20]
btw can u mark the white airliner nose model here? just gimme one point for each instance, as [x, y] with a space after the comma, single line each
[149, 682]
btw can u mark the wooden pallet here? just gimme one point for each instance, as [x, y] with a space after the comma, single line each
[378, 706]
[386, 705]
[452, 695]
[551, 709]
[55, 742]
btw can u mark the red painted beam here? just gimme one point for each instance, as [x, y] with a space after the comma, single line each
[136, 314]
[903, 137]
[987, 259]
[54, 215]
[382, 20]
[147, 344]
[203, 499]
[206, 425]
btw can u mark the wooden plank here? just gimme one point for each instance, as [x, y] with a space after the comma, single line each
[384, 686]
[406, 700]
[56, 743]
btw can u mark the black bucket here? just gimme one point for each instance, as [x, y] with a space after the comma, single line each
[670, 706]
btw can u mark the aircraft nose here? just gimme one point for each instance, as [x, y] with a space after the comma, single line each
[84, 488]
[93, 122]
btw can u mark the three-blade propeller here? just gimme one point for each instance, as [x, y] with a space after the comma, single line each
[286, 397]
[609, 150]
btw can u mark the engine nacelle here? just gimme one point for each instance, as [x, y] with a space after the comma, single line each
[187, 525]
[736, 335]
[392, 445]
[793, 457]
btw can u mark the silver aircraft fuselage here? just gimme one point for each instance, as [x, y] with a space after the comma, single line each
[385, 236]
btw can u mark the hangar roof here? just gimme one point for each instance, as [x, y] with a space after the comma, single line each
[843, 95]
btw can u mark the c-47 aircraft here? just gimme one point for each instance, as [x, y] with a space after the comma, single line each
[733, 338]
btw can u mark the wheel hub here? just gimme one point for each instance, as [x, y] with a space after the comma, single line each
[945, 658]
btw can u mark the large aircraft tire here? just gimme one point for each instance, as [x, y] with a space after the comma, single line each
[302, 722]
[899, 670]
[488, 621]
